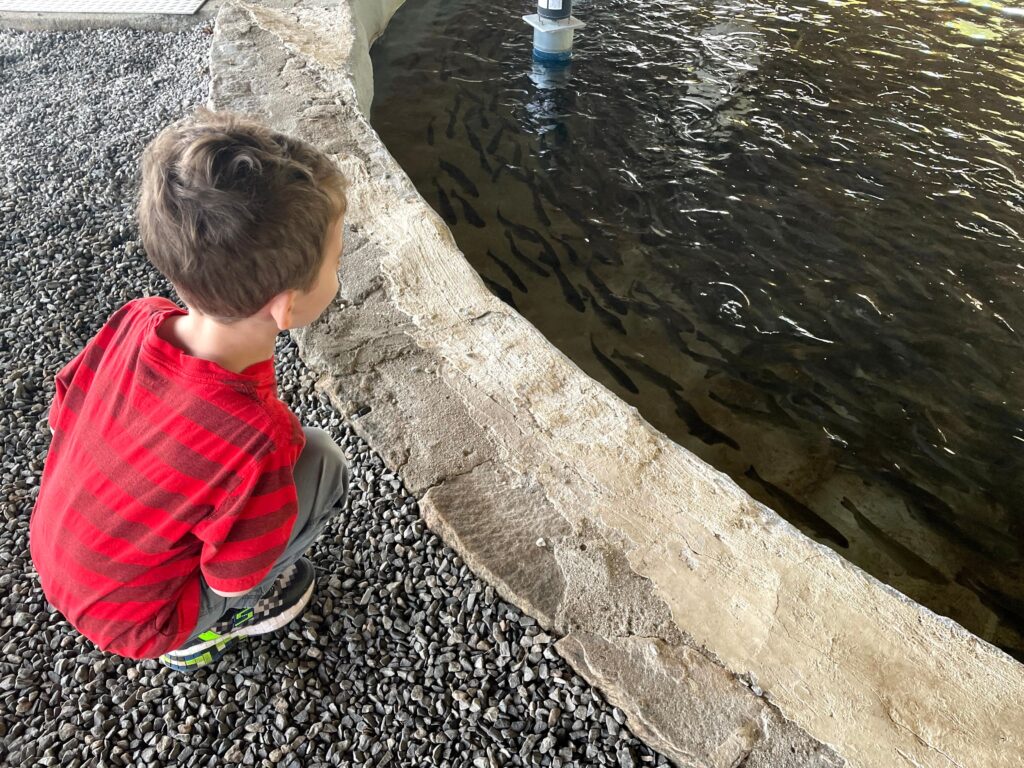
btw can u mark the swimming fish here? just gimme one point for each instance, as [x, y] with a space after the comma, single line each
[430, 130]
[445, 205]
[673, 320]
[617, 373]
[519, 174]
[510, 273]
[523, 258]
[468, 213]
[647, 310]
[568, 290]
[914, 564]
[649, 372]
[606, 317]
[697, 426]
[609, 298]
[449, 131]
[492, 145]
[569, 251]
[497, 172]
[775, 413]
[453, 112]
[500, 291]
[517, 156]
[538, 208]
[525, 233]
[798, 513]
[997, 586]
[474, 142]
[460, 178]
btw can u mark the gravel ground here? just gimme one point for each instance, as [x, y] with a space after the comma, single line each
[404, 657]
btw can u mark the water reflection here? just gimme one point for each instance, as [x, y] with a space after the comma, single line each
[788, 234]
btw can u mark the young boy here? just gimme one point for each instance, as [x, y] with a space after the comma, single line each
[179, 493]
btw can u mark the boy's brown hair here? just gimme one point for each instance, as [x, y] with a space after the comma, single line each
[232, 213]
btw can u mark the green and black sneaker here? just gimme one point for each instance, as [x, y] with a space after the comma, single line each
[286, 599]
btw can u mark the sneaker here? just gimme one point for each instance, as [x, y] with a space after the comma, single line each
[285, 600]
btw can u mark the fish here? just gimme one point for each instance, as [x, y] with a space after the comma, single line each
[609, 298]
[468, 213]
[474, 142]
[798, 513]
[460, 178]
[492, 145]
[497, 172]
[569, 291]
[528, 233]
[453, 112]
[703, 337]
[649, 372]
[449, 132]
[446, 210]
[933, 511]
[430, 130]
[603, 314]
[569, 251]
[493, 106]
[647, 310]
[998, 587]
[775, 413]
[697, 426]
[523, 258]
[517, 156]
[538, 208]
[574, 216]
[914, 564]
[519, 174]
[510, 273]
[472, 96]
[501, 292]
[617, 373]
[545, 188]
[673, 320]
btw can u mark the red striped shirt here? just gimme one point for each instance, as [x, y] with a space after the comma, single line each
[162, 466]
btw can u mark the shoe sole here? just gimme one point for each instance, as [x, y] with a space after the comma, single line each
[196, 660]
[265, 626]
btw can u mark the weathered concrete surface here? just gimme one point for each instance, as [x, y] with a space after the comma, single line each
[672, 590]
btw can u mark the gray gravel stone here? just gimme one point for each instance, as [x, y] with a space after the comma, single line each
[403, 658]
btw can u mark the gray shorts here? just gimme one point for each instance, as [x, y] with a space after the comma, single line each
[321, 477]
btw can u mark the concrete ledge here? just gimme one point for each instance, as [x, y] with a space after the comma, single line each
[726, 636]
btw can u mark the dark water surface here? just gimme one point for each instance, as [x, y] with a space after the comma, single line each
[788, 233]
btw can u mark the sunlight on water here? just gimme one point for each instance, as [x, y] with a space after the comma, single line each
[787, 232]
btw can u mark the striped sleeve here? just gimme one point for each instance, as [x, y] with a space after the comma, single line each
[249, 532]
[63, 379]
[62, 382]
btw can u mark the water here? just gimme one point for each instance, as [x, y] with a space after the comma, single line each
[788, 233]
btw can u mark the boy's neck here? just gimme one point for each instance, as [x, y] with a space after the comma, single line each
[233, 347]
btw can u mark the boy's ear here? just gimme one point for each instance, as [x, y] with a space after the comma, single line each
[281, 307]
